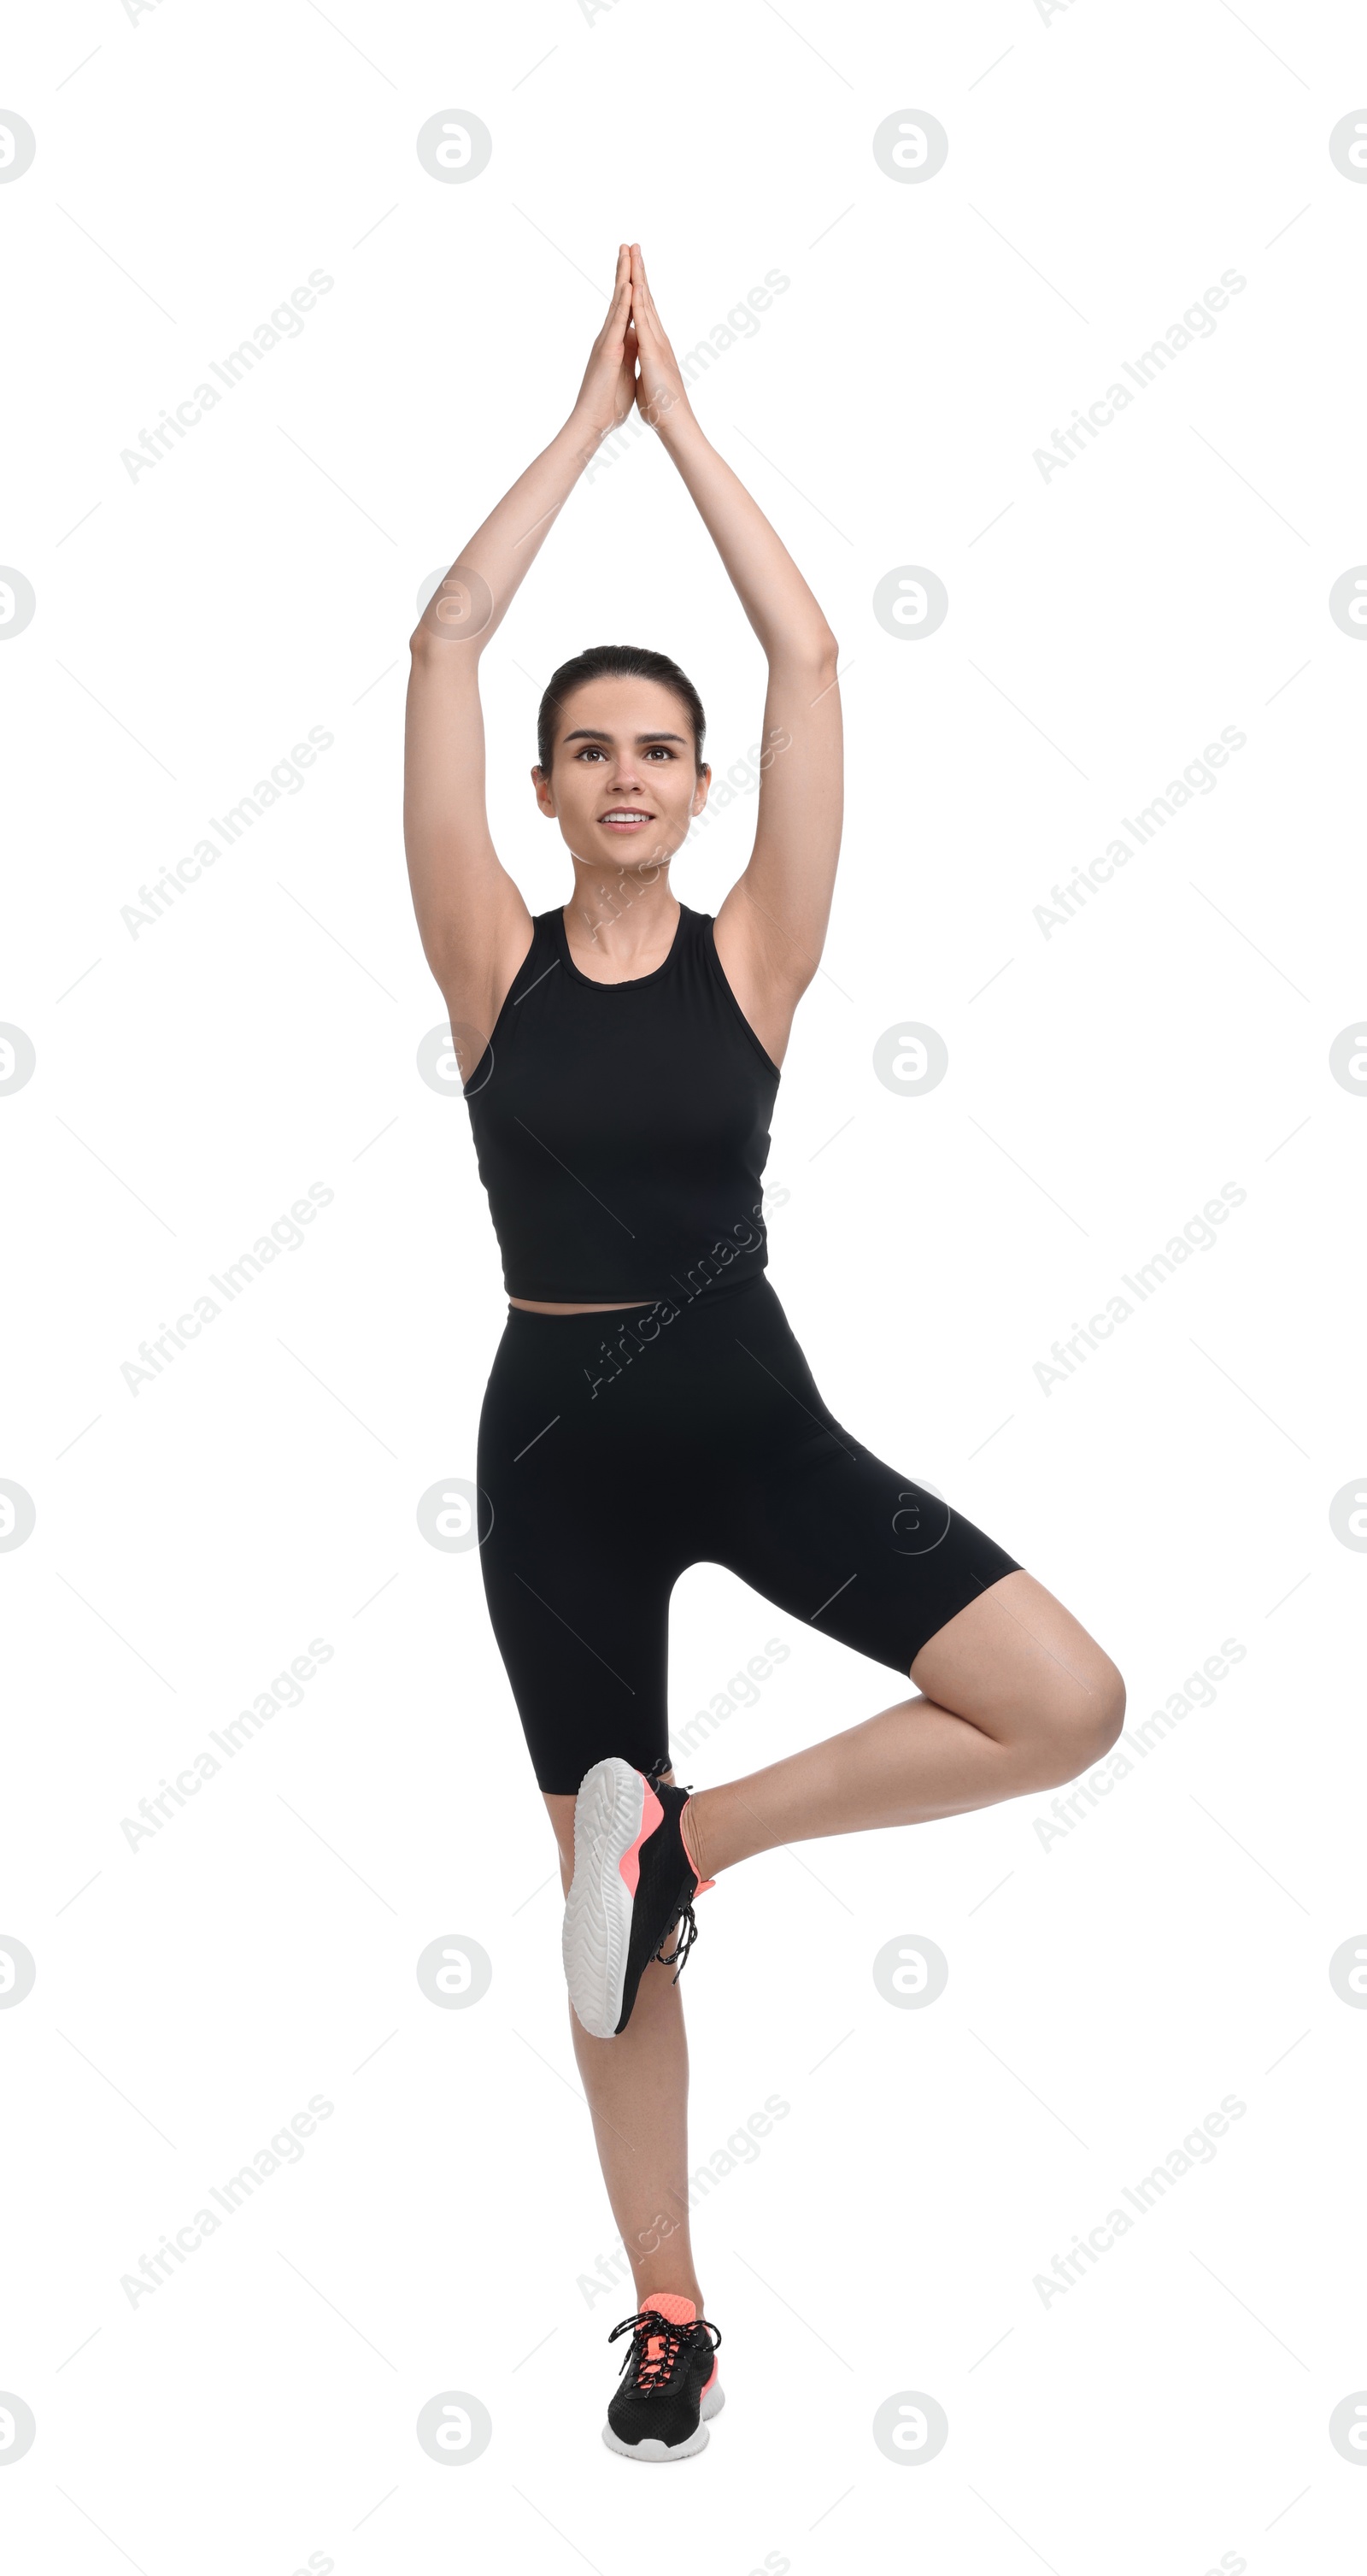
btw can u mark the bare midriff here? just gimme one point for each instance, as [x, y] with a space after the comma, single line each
[612, 1306]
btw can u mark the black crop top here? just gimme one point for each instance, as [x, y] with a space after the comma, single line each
[622, 1129]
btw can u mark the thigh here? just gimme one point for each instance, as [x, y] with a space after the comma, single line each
[862, 1553]
[578, 1559]
[821, 1525]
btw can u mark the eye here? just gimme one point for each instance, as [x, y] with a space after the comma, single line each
[591, 750]
[664, 750]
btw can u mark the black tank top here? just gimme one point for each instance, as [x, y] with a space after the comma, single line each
[622, 1129]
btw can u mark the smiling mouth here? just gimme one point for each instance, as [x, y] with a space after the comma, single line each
[624, 818]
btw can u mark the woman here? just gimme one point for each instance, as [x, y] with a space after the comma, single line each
[648, 1406]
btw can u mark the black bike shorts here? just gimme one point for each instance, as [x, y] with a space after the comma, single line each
[617, 1449]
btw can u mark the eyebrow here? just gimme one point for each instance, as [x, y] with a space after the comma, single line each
[592, 733]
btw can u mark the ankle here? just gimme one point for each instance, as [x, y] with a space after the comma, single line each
[692, 1837]
[678, 2284]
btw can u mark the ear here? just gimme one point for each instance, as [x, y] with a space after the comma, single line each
[700, 791]
[542, 787]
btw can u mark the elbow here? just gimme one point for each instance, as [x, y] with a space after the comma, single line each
[443, 655]
[429, 650]
[806, 652]
[820, 654]
[460, 611]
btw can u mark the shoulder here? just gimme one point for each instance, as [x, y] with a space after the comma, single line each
[765, 989]
[544, 945]
[698, 939]
[478, 993]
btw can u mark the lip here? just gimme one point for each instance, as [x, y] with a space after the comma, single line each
[636, 816]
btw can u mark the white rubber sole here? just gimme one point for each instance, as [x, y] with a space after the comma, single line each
[597, 1927]
[656, 2453]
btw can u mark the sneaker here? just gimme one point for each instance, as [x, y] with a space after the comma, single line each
[669, 2382]
[633, 1882]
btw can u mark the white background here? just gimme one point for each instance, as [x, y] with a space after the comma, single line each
[1107, 1991]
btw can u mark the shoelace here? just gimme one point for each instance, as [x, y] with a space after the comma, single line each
[654, 2371]
[684, 1922]
[686, 1928]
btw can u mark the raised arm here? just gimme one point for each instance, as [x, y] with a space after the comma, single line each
[772, 925]
[475, 927]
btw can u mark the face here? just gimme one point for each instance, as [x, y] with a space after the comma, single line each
[623, 784]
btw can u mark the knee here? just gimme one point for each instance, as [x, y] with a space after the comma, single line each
[1080, 1724]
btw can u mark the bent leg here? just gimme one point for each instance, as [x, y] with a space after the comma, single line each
[637, 2089]
[1018, 1697]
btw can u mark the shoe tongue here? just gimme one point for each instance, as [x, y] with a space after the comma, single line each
[680, 2311]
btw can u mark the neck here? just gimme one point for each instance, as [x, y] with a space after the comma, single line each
[622, 914]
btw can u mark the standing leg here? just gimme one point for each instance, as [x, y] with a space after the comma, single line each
[637, 2088]
[1017, 1697]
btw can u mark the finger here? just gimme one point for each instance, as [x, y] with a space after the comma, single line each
[619, 314]
[622, 282]
[643, 304]
[643, 311]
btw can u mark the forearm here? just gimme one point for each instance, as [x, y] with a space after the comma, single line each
[786, 617]
[495, 559]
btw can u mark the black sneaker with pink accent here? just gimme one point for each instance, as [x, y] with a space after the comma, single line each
[633, 1883]
[669, 2383]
